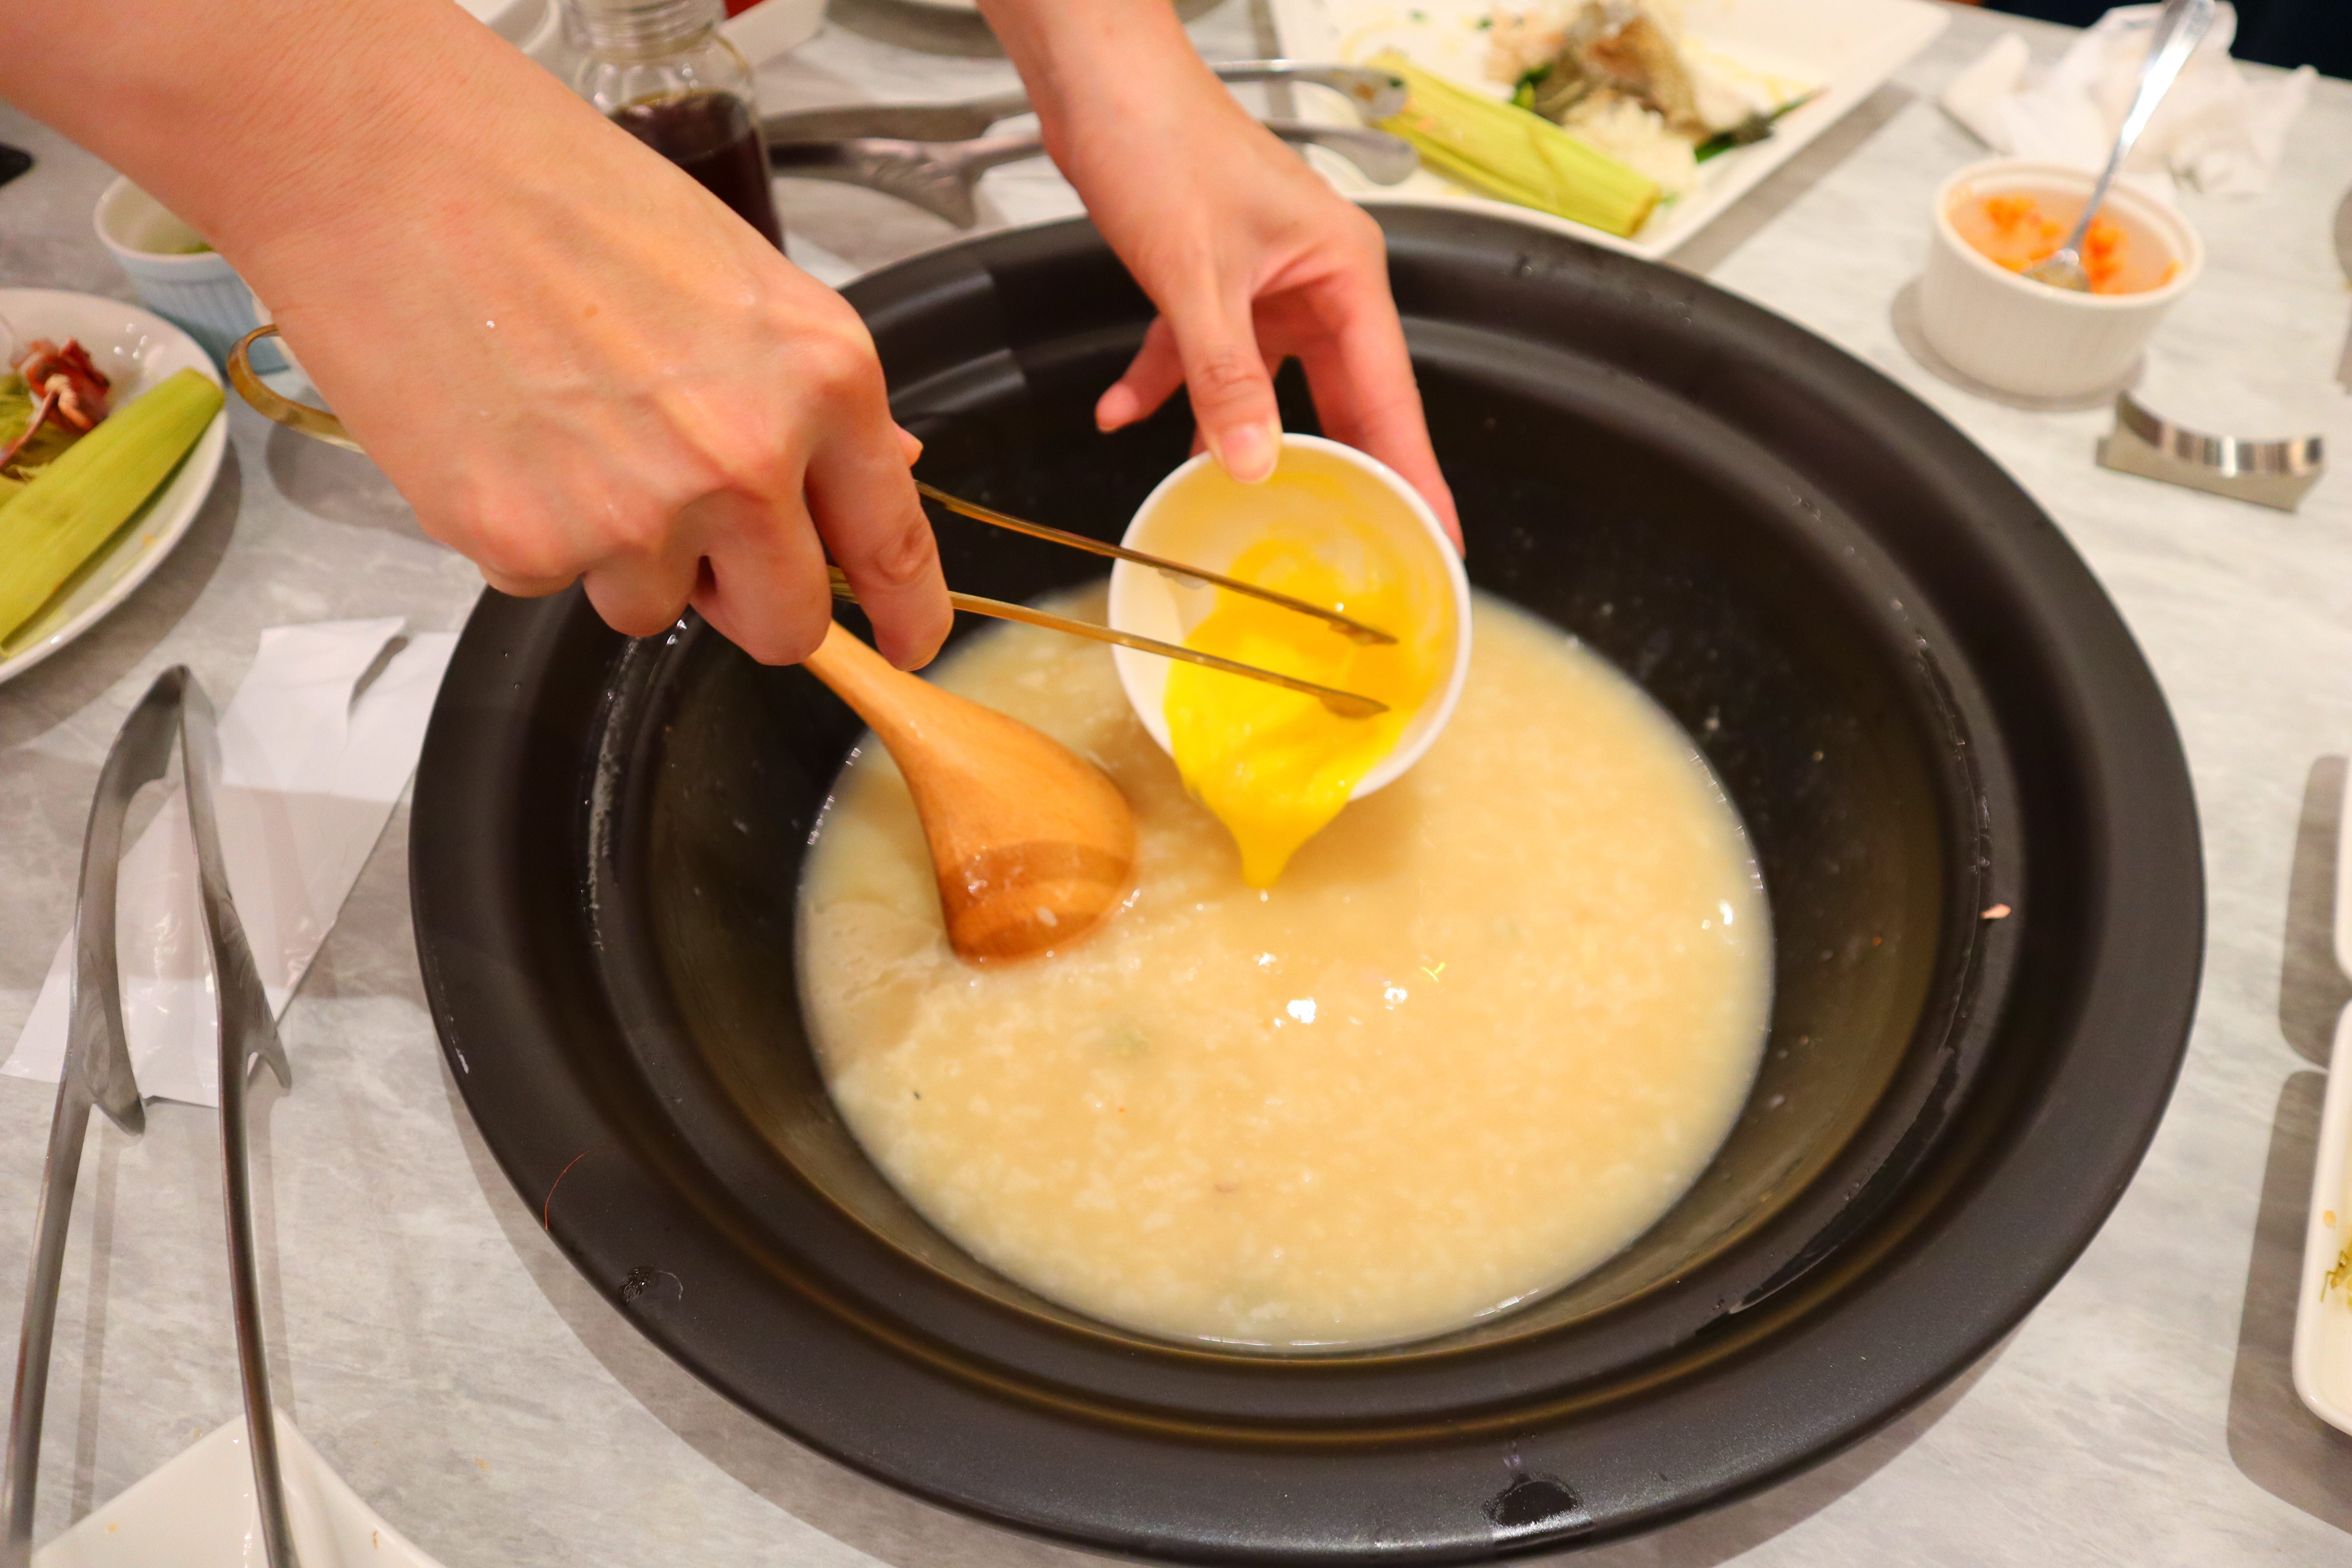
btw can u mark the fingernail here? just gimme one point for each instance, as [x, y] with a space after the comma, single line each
[1248, 452]
[1116, 408]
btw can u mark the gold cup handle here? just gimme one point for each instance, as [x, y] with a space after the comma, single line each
[294, 416]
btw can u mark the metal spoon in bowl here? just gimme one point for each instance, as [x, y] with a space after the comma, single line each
[2179, 29]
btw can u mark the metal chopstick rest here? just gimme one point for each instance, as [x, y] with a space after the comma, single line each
[2274, 474]
[97, 1071]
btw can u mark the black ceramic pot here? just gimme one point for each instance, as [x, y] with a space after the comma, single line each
[1922, 703]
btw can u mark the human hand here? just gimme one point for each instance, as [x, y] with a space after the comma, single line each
[571, 359]
[1250, 255]
[618, 380]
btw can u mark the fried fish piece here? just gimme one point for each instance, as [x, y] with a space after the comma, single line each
[1620, 46]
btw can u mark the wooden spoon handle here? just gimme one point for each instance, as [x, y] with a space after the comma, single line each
[861, 677]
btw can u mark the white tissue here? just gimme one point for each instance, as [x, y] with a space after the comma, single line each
[311, 766]
[2216, 131]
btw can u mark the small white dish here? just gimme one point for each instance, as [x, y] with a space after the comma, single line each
[2323, 1312]
[2027, 338]
[1335, 498]
[197, 1512]
[136, 349]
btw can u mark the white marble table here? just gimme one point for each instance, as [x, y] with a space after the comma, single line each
[448, 1362]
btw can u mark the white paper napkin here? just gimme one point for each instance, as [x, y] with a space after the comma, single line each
[2216, 131]
[314, 754]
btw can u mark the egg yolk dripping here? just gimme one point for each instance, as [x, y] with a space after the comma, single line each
[1276, 765]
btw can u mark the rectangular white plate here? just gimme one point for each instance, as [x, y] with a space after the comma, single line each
[2323, 1312]
[1846, 47]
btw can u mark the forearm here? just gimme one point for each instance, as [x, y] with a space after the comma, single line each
[1110, 77]
[264, 123]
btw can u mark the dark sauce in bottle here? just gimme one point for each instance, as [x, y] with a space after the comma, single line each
[711, 136]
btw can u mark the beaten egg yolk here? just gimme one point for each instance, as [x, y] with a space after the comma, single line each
[1276, 765]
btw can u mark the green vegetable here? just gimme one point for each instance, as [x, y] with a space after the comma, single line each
[1507, 151]
[1753, 129]
[58, 520]
[1523, 95]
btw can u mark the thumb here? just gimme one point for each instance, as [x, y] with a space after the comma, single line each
[1233, 394]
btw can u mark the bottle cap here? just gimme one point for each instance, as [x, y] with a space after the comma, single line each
[630, 31]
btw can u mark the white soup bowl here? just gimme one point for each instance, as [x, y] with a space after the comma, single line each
[2029, 339]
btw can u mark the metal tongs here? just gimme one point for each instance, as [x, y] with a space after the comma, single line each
[932, 155]
[96, 1072]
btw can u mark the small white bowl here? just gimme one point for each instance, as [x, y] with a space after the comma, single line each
[1336, 498]
[2028, 338]
[198, 292]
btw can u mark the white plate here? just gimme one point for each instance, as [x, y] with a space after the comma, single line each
[2323, 1313]
[197, 1512]
[137, 349]
[1845, 48]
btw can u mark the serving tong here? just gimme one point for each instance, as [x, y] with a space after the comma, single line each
[98, 1072]
[1375, 94]
[325, 426]
[932, 155]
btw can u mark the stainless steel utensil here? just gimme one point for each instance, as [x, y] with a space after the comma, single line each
[2344, 259]
[1375, 94]
[96, 1072]
[2274, 474]
[940, 176]
[2179, 29]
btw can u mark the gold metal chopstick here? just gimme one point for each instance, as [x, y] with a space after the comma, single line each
[318, 422]
[1347, 624]
[1346, 704]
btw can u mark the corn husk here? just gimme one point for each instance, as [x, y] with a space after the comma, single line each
[74, 505]
[1505, 151]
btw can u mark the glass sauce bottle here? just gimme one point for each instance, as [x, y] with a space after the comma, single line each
[661, 70]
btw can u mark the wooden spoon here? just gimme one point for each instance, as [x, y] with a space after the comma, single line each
[1034, 846]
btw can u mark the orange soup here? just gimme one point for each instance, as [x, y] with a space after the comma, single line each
[2015, 230]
